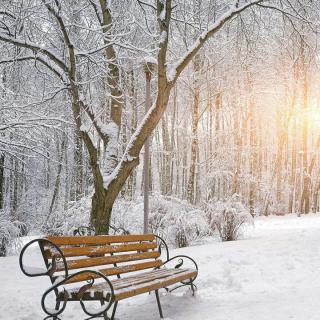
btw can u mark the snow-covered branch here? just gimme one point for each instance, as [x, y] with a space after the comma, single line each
[175, 70]
[35, 48]
[35, 59]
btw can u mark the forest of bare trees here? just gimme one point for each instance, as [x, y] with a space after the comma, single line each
[236, 105]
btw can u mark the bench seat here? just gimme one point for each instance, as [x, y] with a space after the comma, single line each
[133, 285]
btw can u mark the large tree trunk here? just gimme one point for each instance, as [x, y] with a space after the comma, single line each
[101, 211]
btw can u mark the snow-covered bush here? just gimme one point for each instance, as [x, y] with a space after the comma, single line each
[229, 217]
[128, 215]
[10, 231]
[65, 222]
[184, 227]
[178, 222]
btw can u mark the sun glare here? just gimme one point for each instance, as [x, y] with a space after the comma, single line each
[311, 115]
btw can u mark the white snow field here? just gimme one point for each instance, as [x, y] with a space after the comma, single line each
[272, 274]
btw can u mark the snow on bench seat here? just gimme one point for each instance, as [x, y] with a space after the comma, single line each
[134, 285]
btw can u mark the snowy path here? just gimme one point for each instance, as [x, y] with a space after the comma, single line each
[273, 274]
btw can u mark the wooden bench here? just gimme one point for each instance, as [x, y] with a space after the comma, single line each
[88, 268]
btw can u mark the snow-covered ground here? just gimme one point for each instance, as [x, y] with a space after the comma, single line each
[274, 273]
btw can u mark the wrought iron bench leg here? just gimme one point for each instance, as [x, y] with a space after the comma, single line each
[159, 305]
[193, 287]
[105, 315]
[114, 310]
[56, 308]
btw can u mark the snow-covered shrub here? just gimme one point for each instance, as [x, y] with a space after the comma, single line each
[229, 217]
[10, 231]
[178, 222]
[65, 222]
[184, 227]
[128, 215]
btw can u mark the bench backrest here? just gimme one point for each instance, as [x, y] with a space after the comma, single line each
[114, 255]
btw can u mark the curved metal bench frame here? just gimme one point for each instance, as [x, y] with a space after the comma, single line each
[58, 282]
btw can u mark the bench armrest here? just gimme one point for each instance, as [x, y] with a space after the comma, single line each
[51, 268]
[81, 291]
[181, 260]
[180, 263]
[162, 245]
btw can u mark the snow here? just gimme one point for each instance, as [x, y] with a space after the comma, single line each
[84, 127]
[162, 15]
[111, 130]
[273, 272]
[34, 270]
[163, 37]
[150, 59]
[128, 158]
[171, 73]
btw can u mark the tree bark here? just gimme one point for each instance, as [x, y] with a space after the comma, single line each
[56, 190]
[191, 187]
[2, 161]
[305, 195]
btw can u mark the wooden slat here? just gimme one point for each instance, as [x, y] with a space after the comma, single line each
[92, 240]
[98, 261]
[131, 286]
[118, 270]
[154, 284]
[130, 282]
[118, 282]
[97, 250]
[143, 278]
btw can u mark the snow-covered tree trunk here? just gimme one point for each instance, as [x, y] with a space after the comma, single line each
[191, 187]
[166, 159]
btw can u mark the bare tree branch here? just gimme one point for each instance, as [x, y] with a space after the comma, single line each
[213, 29]
[35, 58]
[35, 48]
